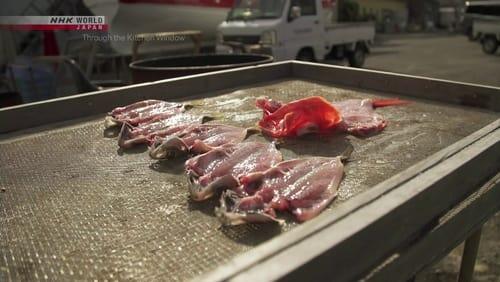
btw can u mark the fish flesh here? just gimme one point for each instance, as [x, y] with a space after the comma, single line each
[316, 115]
[308, 115]
[143, 112]
[197, 139]
[134, 106]
[222, 167]
[359, 117]
[303, 187]
[148, 131]
[146, 114]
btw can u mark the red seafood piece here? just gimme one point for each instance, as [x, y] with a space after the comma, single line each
[308, 115]
[354, 116]
[222, 167]
[380, 103]
[304, 187]
[196, 139]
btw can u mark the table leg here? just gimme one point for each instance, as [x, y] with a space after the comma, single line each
[469, 256]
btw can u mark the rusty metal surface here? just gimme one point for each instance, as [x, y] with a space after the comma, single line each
[75, 207]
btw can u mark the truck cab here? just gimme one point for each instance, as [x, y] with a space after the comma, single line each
[479, 11]
[293, 29]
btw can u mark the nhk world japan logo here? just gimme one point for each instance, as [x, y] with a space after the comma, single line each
[84, 23]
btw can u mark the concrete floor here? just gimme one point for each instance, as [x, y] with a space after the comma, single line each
[444, 56]
[451, 57]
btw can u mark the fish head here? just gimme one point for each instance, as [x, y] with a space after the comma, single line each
[110, 121]
[198, 192]
[229, 214]
[168, 148]
[201, 191]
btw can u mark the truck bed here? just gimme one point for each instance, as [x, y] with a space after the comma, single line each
[486, 27]
[350, 32]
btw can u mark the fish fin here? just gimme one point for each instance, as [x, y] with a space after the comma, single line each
[125, 140]
[124, 134]
[201, 193]
[195, 188]
[379, 103]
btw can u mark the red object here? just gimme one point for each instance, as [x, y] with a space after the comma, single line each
[50, 47]
[317, 115]
[49, 27]
[197, 3]
[308, 115]
[379, 103]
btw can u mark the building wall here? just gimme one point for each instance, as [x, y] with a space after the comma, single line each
[396, 5]
[15, 8]
[390, 15]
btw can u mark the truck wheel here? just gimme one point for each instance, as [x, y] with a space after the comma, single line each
[306, 55]
[357, 57]
[490, 44]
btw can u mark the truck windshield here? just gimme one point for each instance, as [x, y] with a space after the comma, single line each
[256, 9]
[484, 10]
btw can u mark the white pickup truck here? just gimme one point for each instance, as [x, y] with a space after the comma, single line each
[488, 33]
[294, 29]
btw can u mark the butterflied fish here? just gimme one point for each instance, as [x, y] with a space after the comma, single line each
[197, 139]
[145, 132]
[222, 167]
[303, 187]
[142, 112]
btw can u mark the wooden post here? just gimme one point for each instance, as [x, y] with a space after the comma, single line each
[469, 256]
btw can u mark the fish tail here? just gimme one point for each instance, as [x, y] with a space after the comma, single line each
[379, 103]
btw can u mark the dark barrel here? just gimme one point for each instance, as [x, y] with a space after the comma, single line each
[169, 67]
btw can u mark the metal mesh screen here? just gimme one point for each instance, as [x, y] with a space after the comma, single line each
[73, 206]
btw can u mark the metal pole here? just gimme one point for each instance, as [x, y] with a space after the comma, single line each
[469, 256]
